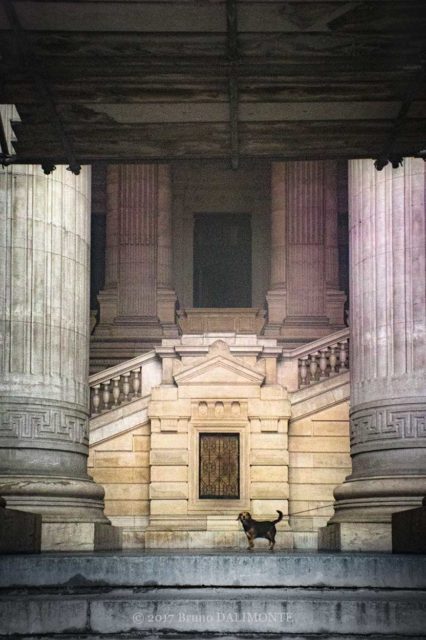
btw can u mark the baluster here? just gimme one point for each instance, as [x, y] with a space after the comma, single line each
[313, 366]
[136, 381]
[96, 399]
[116, 392]
[323, 364]
[332, 360]
[126, 386]
[303, 371]
[343, 356]
[106, 395]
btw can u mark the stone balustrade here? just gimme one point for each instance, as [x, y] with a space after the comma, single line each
[118, 385]
[316, 361]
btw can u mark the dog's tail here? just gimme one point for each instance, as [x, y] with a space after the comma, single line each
[280, 517]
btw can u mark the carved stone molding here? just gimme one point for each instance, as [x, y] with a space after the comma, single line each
[399, 424]
[43, 424]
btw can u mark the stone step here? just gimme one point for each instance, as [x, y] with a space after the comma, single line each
[224, 610]
[214, 568]
[220, 595]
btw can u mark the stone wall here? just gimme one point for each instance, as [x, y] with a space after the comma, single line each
[212, 187]
[319, 461]
[121, 465]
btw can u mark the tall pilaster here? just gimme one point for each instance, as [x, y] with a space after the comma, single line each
[137, 306]
[303, 301]
[44, 328]
[166, 296]
[388, 362]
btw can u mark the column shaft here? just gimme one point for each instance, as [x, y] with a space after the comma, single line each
[388, 331]
[44, 324]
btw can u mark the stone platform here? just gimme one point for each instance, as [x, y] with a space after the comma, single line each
[184, 594]
[223, 595]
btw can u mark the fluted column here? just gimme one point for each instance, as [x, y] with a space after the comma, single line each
[304, 256]
[276, 296]
[44, 324]
[388, 344]
[166, 296]
[137, 306]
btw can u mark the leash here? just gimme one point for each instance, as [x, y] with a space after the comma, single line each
[324, 506]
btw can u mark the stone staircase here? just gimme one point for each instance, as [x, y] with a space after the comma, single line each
[290, 595]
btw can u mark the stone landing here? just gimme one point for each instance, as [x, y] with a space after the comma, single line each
[222, 595]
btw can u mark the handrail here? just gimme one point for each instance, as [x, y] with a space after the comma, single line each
[118, 385]
[123, 367]
[316, 345]
[316, 361]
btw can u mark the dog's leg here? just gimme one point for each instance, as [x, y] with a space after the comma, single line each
[251, 543]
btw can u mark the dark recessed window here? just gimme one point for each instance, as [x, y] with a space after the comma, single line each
[222, 260]
[220, 465]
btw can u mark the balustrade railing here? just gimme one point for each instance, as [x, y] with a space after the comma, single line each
[318, 361]
[324, 363]
[118, 385]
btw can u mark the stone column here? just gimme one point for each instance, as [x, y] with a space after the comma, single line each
[166, 296]
[388, 361]
[335, 298]
[137, 306]
[277, 294]
[44, 327]
[304, 264]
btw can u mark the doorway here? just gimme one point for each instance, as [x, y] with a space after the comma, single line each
[222, 260]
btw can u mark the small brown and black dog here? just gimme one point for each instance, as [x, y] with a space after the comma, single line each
[259, 528]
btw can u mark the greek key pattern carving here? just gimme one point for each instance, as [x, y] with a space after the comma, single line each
[40, 423]
[387, 424]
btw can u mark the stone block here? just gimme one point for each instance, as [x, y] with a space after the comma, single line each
[300, 475]
[355, 536]
[269, 490]
[300, 459]
[171, 457]
[312, 492]
[301, 428]
[409, 531]
[165, 507]
[269, 474]
[332, 460]
[20, 531]
[122, 442]
[328, 428]
[174, 473]
[120, 475]
[169, 441]
[267, 509]
[126, 507]
[168, 490]
[121, 491]
[270, 457]
[121, 459]
[141, 443]
[269, 441]
[319, 443]
[79, 536]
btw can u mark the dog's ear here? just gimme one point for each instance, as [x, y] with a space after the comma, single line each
[239, 516]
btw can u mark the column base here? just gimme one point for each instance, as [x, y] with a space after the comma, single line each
[20, 532]
[355, 536]
[80, 536]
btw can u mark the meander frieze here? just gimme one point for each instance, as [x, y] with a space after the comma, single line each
[387, 424]
[41, 423]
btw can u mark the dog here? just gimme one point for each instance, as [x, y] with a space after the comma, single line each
[259, 529]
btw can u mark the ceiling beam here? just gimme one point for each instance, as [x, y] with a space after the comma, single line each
[32, 67]
[233, 56]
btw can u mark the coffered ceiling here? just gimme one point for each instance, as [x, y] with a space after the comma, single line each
[126, 80]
